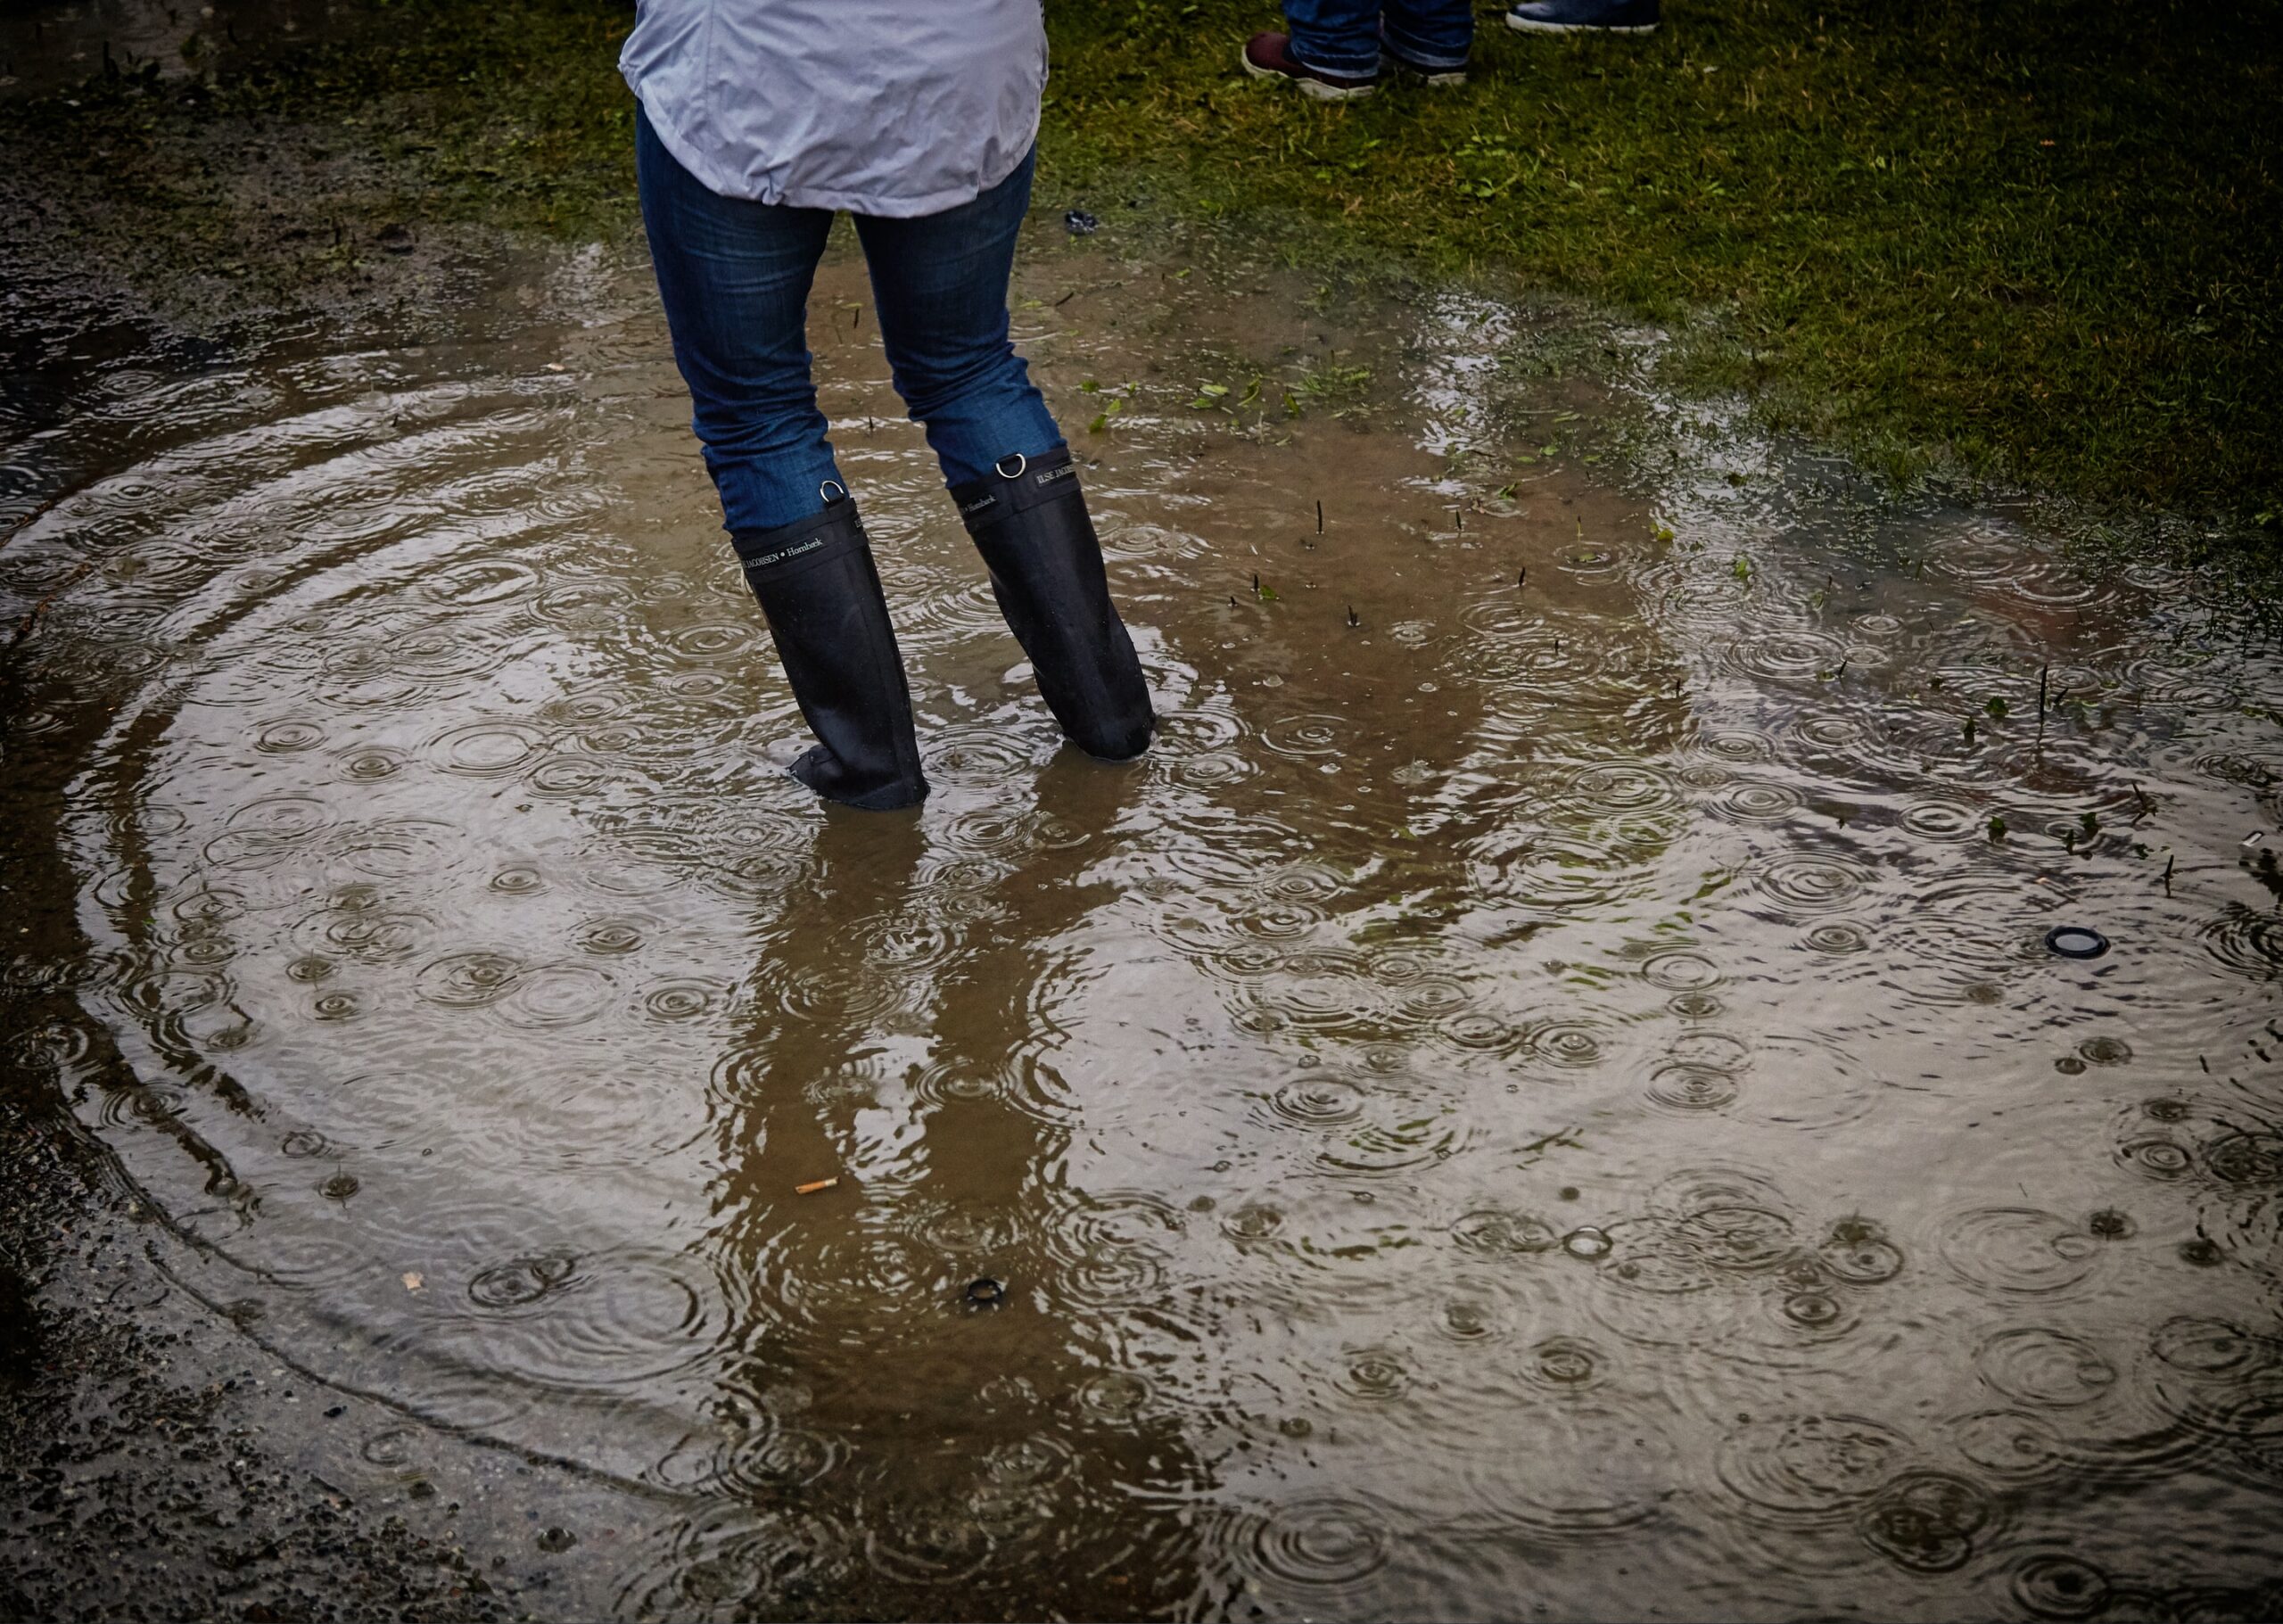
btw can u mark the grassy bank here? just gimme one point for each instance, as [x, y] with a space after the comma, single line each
[2042, 239]
[2038, 241]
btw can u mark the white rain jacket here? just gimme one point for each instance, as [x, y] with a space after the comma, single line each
[887, 107]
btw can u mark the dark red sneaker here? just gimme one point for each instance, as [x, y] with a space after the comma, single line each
[1269, 56]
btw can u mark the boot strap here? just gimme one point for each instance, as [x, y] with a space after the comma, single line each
[1038, 480]
[786, 549]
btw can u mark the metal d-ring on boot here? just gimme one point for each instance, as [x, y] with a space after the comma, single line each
[817, 586]
[1029, 521]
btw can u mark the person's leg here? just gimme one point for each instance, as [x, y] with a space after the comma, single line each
[734, 276]
[939, 284]
[1338, 37]
[1433, 36]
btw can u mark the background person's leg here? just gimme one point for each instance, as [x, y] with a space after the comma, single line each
[940, 285]
[1337, 35]
[1432, 35]
[734, 275]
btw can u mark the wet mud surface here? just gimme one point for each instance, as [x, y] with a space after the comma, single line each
[1547, 1093]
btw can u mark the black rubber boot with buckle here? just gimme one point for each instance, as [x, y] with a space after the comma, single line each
[1029, 521]
[822, 595]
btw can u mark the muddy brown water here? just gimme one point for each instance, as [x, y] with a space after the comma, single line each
[1541, 1096]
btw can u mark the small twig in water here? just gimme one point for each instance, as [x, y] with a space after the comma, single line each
[2168, 872]
[30, 622]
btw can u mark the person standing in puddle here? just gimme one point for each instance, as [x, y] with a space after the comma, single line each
[759, 120]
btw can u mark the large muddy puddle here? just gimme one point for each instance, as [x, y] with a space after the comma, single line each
[1547, 1093]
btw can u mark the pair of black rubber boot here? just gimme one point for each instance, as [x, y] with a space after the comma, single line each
[822, 595]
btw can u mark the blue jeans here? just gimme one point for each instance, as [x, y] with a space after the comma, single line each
[734, 275]
[1344, 36]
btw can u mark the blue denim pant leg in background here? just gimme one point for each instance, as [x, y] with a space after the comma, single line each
[1343, 36]
[1433, 34]
[734, 276]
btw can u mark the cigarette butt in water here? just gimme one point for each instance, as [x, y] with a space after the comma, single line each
[2255, 837]
[813, 1185]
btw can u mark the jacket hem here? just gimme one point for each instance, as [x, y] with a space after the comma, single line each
[721, 183]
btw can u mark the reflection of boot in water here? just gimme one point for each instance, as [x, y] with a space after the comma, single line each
[815, 988]
[950, 1461]
[1028, 1440]
[818, 587]
[1032, 528]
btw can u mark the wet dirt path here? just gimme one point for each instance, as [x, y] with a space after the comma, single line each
[1547, 1088]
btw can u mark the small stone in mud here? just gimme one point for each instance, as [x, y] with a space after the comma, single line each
[558, 1539]
[396, 239]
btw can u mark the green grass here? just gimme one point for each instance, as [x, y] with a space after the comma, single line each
[2019, 238]
[2038, 240]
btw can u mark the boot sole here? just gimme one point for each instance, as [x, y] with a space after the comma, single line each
[1530, 25]
[1113, 760]
[889, 797]
[1316, 88]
